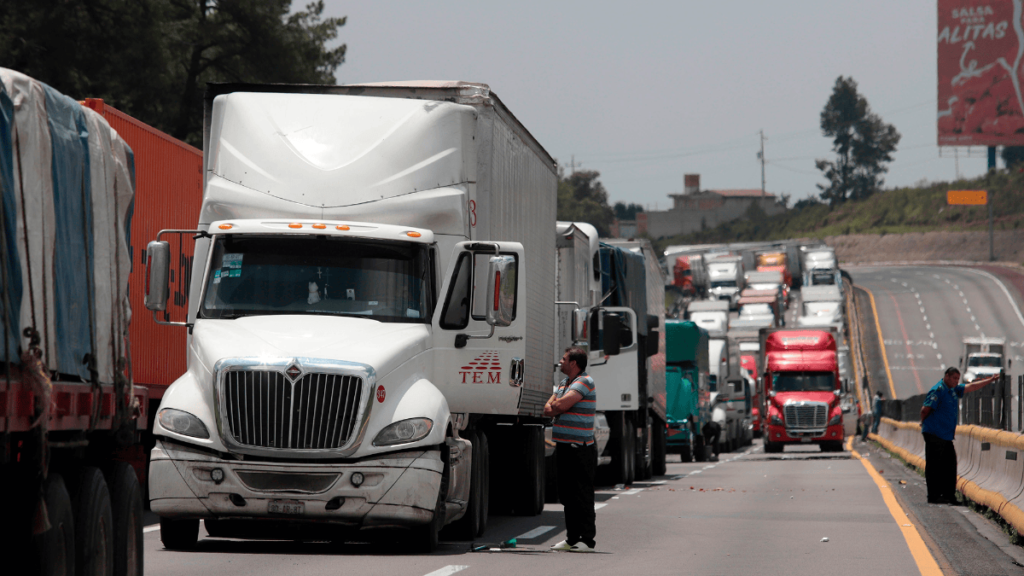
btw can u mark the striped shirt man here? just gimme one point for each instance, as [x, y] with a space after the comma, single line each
[576, 426]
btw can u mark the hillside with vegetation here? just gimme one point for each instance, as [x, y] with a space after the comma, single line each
[920, 208]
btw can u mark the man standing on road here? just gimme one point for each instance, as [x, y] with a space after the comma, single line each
[876, 415]
[939, 416]
[573, 404]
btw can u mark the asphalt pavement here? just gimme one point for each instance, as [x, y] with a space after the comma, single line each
[925, 311]
[749, 512]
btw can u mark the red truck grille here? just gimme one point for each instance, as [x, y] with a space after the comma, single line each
[805, 415]
[315, 412]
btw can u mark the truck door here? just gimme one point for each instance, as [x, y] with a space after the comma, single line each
[480, 367]
[617, 377]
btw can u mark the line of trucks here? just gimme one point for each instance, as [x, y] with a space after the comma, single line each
[733, 375]
[357, 297]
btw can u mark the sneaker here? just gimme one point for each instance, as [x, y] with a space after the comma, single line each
[562, 546]
[581, 547]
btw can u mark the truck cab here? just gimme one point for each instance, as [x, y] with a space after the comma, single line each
[983, 357]
[725, 276]
[687, 372]
[802, 390]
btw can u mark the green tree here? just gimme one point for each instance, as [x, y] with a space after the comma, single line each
[1012, 156]
[153, 58]
[862, 142]
[582, 198]
[625, 211]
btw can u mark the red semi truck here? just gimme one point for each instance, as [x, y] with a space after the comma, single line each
[801, 390]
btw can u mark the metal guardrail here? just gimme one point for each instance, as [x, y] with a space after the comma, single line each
[991, 407]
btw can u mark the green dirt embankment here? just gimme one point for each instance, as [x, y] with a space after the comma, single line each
[898, 225]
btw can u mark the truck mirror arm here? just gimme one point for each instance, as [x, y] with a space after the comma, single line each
[462, 339]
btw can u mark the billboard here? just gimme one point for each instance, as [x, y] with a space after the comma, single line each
[980, 59]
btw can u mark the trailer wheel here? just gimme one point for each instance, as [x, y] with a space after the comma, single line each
[126, 505]
[660, 447]
[55, 548]
[94, 525]
[645, 448]
[772, 447]
[530, 501]
[179, 534]
[468, 527]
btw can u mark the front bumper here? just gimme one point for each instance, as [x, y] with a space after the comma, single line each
[399, 489]
[776, 433]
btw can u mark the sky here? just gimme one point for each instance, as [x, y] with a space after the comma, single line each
[645, 92]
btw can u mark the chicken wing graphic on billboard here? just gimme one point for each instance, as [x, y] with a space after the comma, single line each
[980, 57]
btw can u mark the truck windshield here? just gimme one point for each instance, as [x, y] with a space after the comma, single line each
[985, 361]
[820, 308]
[261, 275]
[723, 284]
[804, 382]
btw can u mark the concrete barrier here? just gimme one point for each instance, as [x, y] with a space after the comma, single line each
[990, 463]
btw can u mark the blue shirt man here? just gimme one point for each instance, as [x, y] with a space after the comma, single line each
[939, 417]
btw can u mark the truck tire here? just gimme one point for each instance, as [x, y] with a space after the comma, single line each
[425, 537]
[485, 484]
[534, 473]
[645, 453]
[468, 527]
[685, 454]
[772, 447]
[179, 534]
[623, 465]
[660, 448]
[126, 506]
[55, 548]
[700, 453]
[94, 525]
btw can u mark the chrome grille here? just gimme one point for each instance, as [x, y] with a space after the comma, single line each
[266, 410]
[809, 415]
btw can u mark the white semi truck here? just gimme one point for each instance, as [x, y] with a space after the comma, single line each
[371, 317]
[725, 276]
[983, 357]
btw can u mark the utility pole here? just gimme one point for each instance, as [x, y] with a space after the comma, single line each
[761, 156]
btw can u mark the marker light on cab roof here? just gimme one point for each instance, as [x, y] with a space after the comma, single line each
[320, 226]
[413, 234]
[225, 226]
[295, 225]
[342, 227]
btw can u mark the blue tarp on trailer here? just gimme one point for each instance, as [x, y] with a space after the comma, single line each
[624, 282]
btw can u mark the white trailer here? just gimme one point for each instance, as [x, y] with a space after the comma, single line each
[371, 315]
[725, 277]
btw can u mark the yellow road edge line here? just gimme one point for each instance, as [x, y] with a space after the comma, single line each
[881, 343]
[926, 563]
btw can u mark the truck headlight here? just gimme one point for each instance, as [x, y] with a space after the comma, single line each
[775, 420]
[835, 419]
[402, 432]
[969, 377]
[182, 423]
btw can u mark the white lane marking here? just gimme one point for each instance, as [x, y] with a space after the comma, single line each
[632, 492]
[956, 287]
[922, 309]
[447, 570]
[940, 356]
[961, 294]
[535, 532]
[926, 320]
[1005, 291]
[153, 528]
[599, 506]
[659, 482]
[695, 472]
[973, 319]
[931, 334]
[904, 284]
[978, 328]
[928, 327]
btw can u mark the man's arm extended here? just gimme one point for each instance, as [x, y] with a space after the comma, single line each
[980, 383]
[556, 406]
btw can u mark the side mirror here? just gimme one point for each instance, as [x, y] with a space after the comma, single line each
[158, 260]
[1009, 363]
[612, 334]
[501, 278]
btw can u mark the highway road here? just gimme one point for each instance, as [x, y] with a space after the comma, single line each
[748, 513]
[924, 311]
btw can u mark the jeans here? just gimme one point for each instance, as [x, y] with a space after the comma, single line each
[576, 465]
